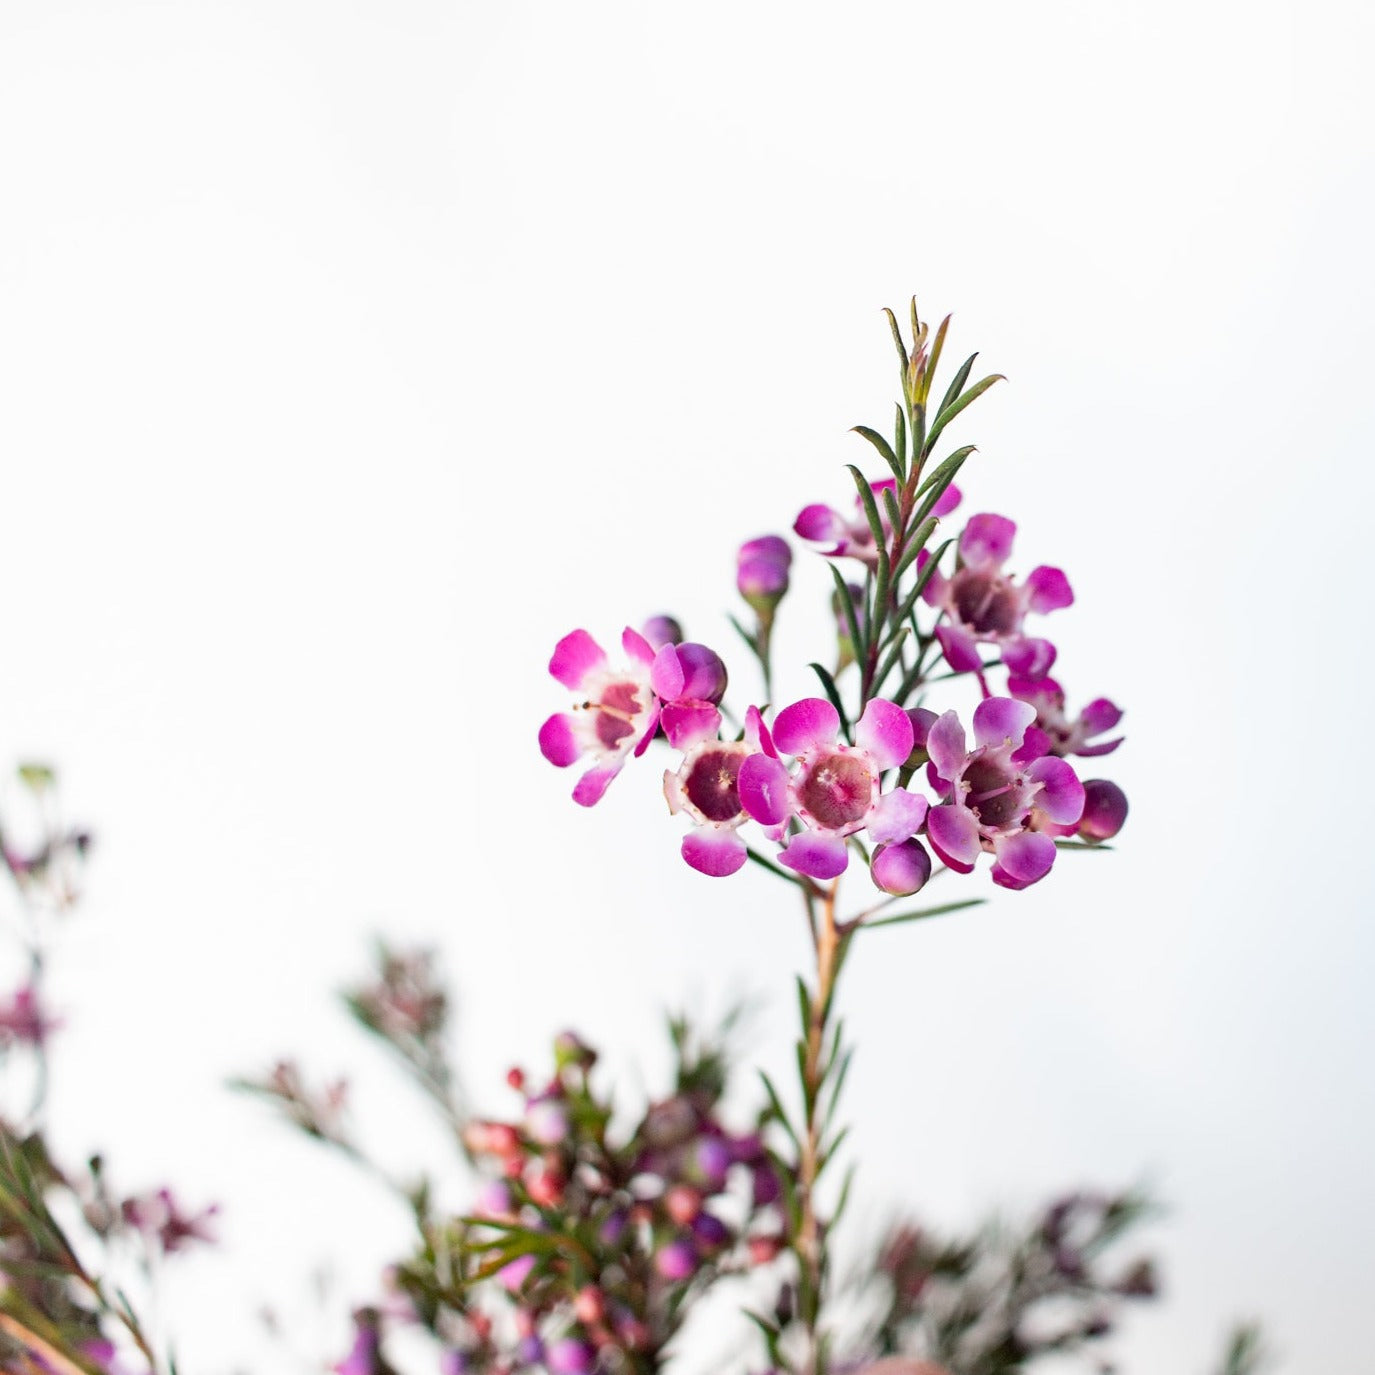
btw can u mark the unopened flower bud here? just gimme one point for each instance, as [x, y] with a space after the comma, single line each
[763, 1249]
[676, 1261]
[590, 1305]
[546, 1122]
[1105, 809]
[571, 1049]
[704, 675]
[709, 1231]
[901, 869]
[569, 1356]
[661, 631]
[682, 1203]
[762, 572]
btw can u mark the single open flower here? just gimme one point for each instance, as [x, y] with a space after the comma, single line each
[850, 536]
[835, 790]
[996, 792]
[983, 605]
[618, 713]
[1063, 736]
[706, 784]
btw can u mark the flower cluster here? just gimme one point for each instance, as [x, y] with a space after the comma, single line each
[581, 1249]
[822, 784]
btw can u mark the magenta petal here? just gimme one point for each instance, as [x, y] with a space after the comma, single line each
[636, 646]
[1035, 743]
[574, 657]
[960, 648]
[1062, 794]
[1045, 694]
[651, 728]
[949, 499]
[885, 733]
[757, 733]
[816, 856]
[557, 742]
[593, 784]
[1028, 656]
[945, 743]
[715, 853]
[897, 816]
[954, 832]
[1002, 718]
[1099, 715]
[687, 723]
[666, 674]
[1093, 751]
[1026, 856]
[1049, 588]
[821, 524]
[1003, 879]
[763, 785]
[812, 721]
[987, 540]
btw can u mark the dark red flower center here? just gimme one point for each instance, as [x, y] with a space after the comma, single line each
[711, 785]
[616, 710]
[986, 603]
[838, 790]
[996, 793]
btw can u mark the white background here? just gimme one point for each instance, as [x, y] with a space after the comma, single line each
[351, 353]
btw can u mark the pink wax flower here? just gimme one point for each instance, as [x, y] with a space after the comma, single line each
[983, 605]
[997, 793]
[850, 536]
[23, 1020]
[618, 713]
[1063, 736]
[706, 784]
[835, 790]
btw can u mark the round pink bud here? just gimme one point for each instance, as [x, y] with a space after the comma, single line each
[901, 869]
[704, 675]
[1105, 809]
[661, 631]
[762, 571]
[676, 1261]
[763, 1249]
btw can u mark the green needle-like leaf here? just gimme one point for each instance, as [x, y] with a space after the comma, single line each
[883, 446]
[949, 412]
[924, 913]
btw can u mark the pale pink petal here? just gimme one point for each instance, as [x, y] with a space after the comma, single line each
[557, 742]
[945, 743]
[594, 783]
[986, 541]
[1025, 856]
[666, 674]
[636, 646]
[817, 856]
[960, 648]
[712, 852]
[997, 719]
[1062, 794]
[687, 723]
[955, 834]
[763, 785]
[885, 733]
[575, 656]
[896, 816]
[1049, 589]
[806, 724]
[673, 792]
[933, 594]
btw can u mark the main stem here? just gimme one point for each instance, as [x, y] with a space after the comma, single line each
[810, 1244]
